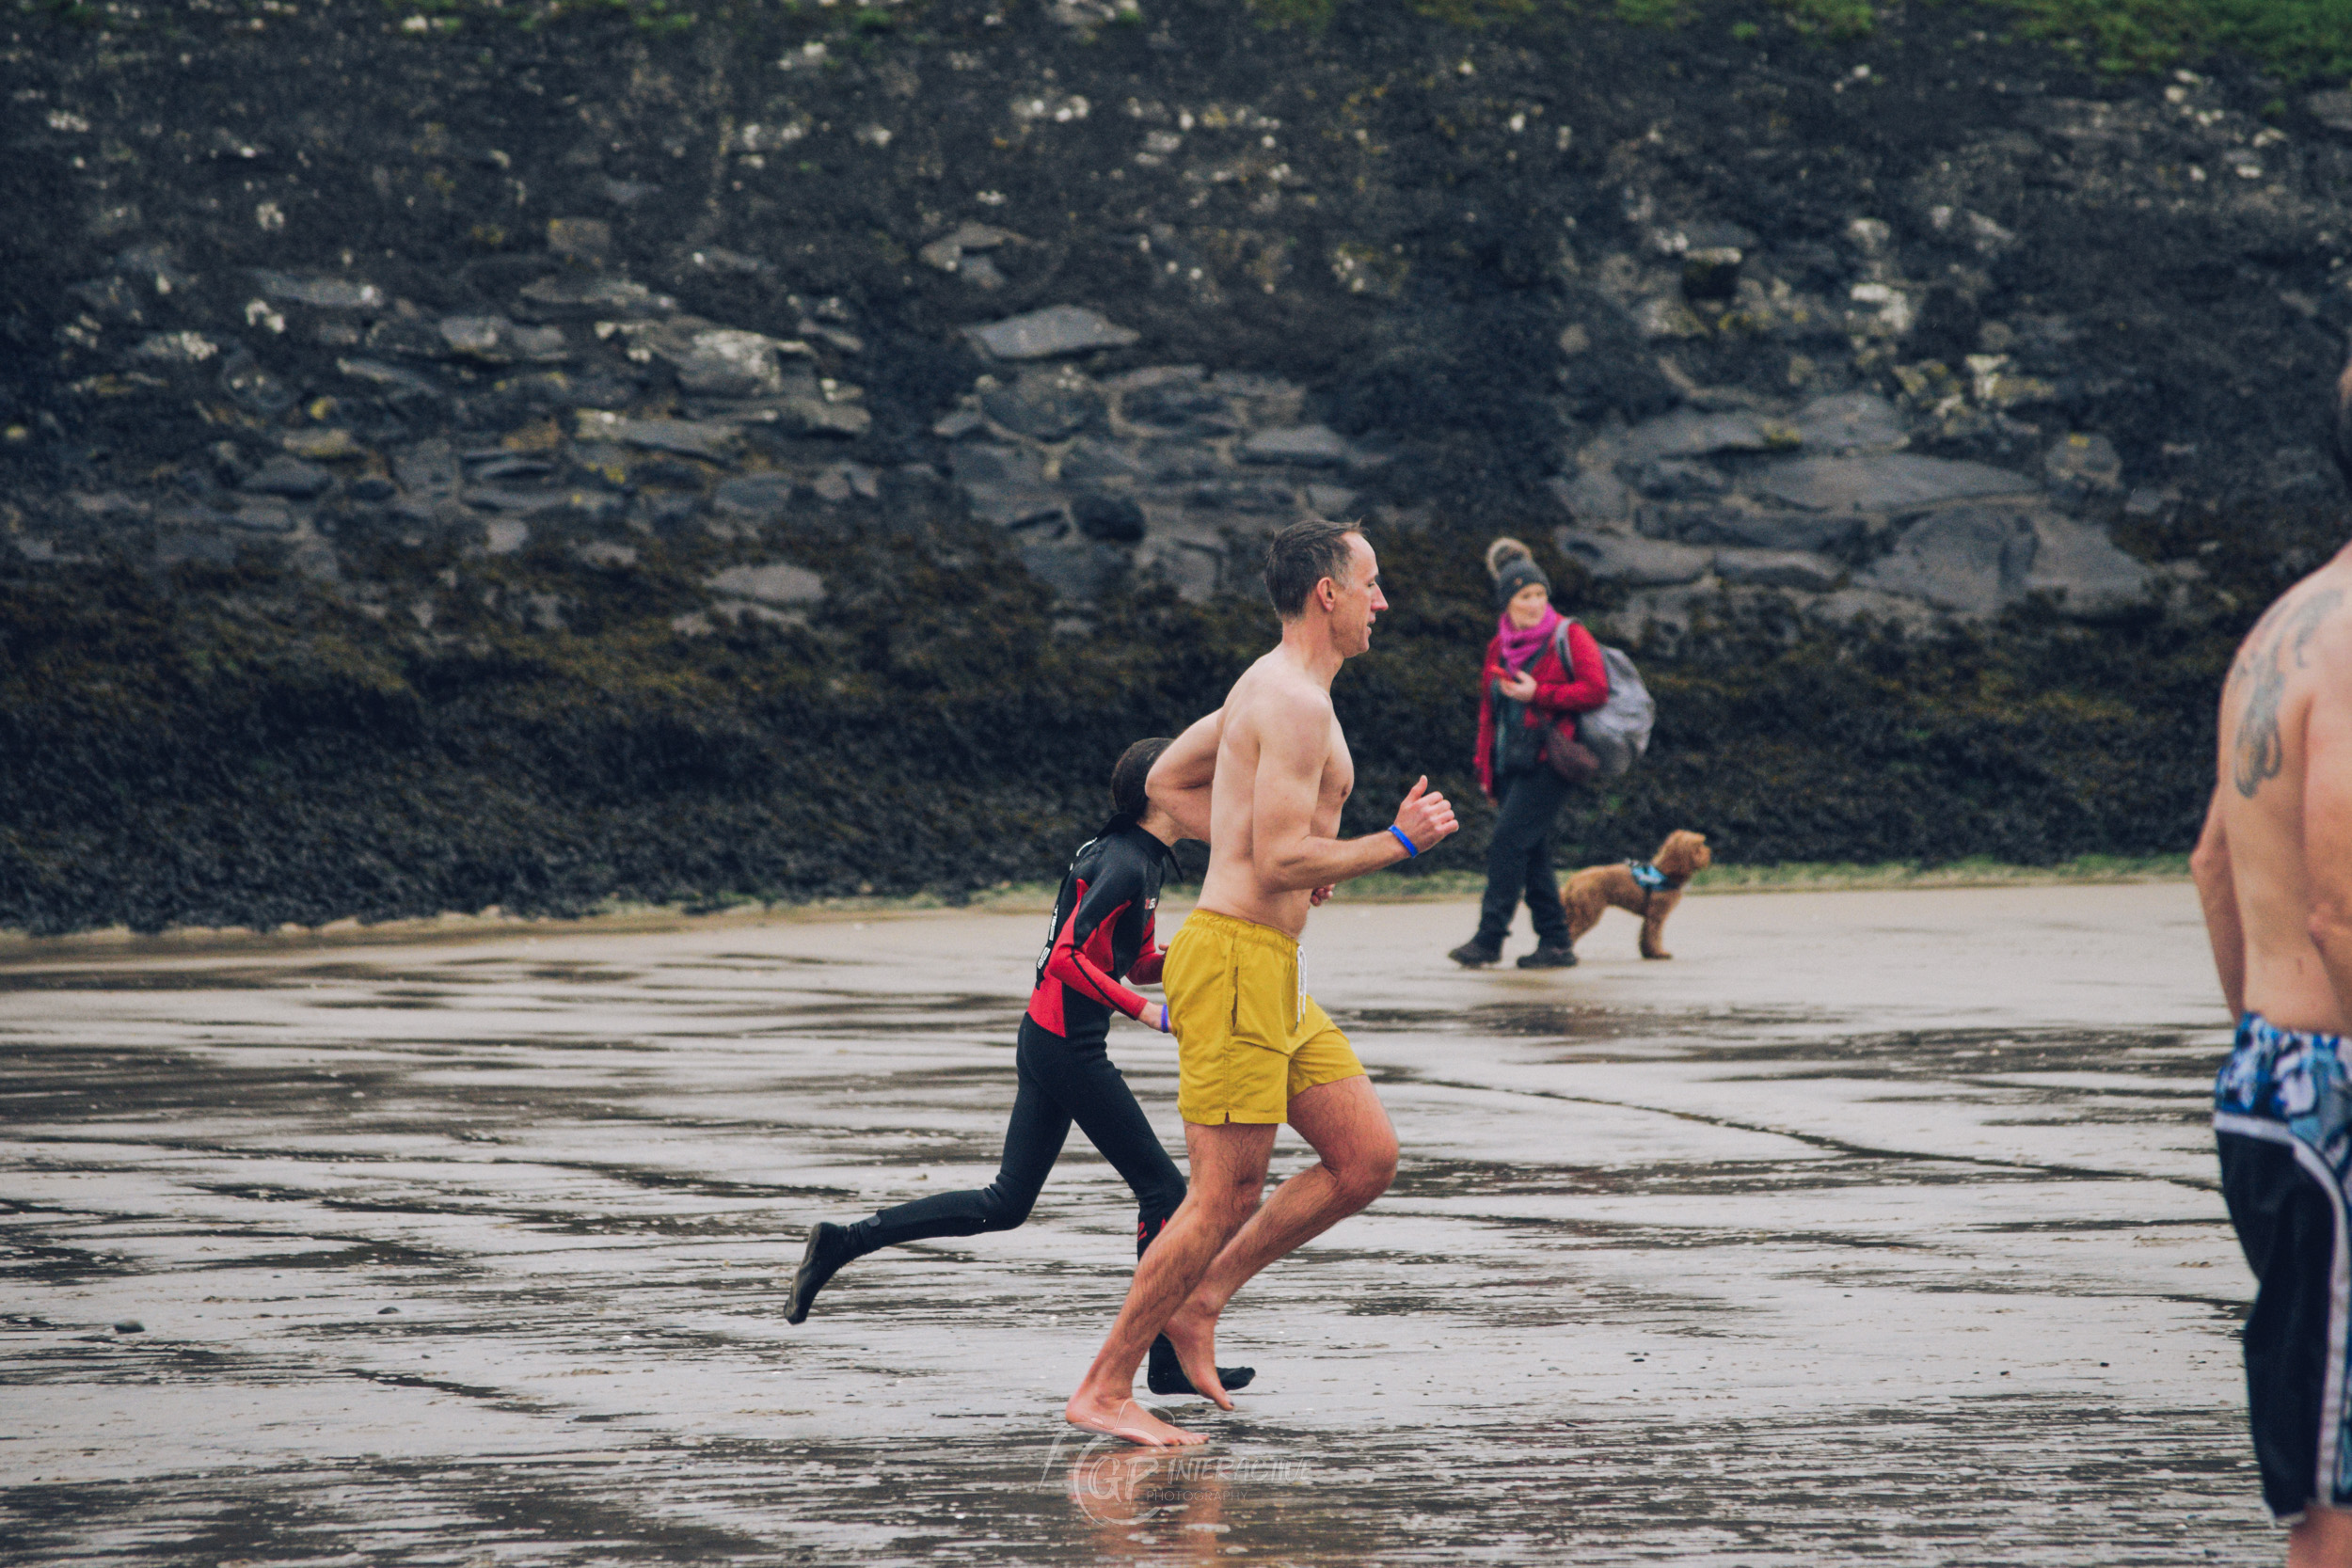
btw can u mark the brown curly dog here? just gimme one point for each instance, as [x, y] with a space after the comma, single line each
[1594, 889]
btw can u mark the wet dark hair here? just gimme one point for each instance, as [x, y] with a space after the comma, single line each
[1128, 800]
[1300, 555]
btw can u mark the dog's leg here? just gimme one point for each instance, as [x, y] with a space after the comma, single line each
[1654, 924]
[1583, 912]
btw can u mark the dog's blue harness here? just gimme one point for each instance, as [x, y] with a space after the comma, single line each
[1646, 876]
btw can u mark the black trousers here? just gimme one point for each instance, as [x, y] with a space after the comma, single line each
[1060, 1084]
[1519, 859]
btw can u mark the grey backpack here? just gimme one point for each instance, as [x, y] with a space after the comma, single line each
[1618, 732]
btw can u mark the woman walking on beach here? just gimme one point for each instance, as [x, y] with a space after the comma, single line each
[1539, 668]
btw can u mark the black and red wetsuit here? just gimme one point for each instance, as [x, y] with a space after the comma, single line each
[1105, 923]
[1102, 935]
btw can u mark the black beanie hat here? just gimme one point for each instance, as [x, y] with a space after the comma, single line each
[1513, 569]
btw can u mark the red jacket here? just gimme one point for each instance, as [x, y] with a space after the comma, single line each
[1557, 690]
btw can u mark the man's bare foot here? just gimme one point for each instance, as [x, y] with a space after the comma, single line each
[1194, 1335]
[1126, 1419]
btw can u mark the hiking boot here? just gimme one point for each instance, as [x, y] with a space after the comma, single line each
[1550, 955]
[1475, 954]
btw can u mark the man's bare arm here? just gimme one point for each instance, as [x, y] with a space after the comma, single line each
[1181, 780]
[2216, 890]
[2328, 830]
[1294, 744]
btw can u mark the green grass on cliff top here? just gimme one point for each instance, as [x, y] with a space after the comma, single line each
[2303, 41]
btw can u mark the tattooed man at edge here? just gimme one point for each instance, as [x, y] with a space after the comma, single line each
[2274, 873]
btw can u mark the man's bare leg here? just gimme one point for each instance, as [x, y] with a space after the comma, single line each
[1229, 1165]
[1344, 1123]
[2323, 1540]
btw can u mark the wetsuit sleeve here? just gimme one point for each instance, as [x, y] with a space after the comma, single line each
[1099, 906]
[1145, 970]
[1587, 684]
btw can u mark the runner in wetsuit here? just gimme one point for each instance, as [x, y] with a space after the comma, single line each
[1102, 932]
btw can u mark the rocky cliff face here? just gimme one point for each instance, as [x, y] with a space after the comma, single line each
[469, 329]
[1918, 317]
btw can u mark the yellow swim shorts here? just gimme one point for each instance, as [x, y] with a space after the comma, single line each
[1247, 1039]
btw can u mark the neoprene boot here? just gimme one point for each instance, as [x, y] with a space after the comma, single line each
[829, 1246]
[1166, 1374]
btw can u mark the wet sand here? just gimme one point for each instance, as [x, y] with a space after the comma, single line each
[1876, 1225]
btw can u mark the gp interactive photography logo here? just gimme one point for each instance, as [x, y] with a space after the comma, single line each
[1114, 1482]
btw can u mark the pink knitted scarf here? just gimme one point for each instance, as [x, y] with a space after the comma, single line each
[1523, 647]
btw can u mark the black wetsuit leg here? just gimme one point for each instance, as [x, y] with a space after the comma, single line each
[1095, 1093]
[1059, 1083]
[1033, 1141]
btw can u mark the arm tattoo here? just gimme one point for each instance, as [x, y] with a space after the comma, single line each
[2258, 751]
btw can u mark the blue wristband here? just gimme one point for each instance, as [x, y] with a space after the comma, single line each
[1409, 851]
[1167, 1024]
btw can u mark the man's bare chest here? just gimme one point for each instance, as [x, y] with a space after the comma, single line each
[1338, 775]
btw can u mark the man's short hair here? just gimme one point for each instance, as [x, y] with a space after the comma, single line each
[1301, 556]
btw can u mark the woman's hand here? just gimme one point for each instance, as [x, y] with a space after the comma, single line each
[1520, 687]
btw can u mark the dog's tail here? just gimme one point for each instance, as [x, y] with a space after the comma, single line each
[1501, 553]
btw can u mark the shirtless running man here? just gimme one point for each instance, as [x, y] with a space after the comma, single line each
[2274, 871]
[1262, 780]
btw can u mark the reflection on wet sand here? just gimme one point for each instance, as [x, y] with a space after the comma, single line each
[1162, 1506]
[1873, 1227]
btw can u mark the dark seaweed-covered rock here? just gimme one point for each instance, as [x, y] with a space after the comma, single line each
[1971, 559]
[288, 476]
[1110, 518]
[1640, 562]
[1894, 482]
[1848, 421]
[1772, 530]
[1045, 404]
[1311, 446]
[1800, 569]
[421, 437]
[1689, 433]
[776, 583]
[1050, 333]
